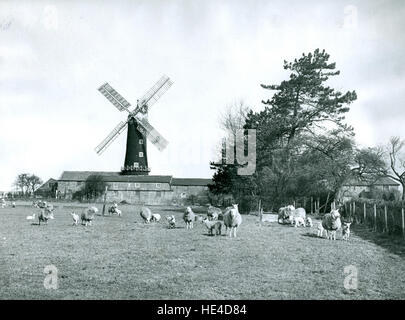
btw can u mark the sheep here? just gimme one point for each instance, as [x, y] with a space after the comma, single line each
[44, 216]
[232, 219]
[213, 225]
[331, 223]
[13, 204]
[155, 217]
[75, 218]
[308, 222]
[113, 209]
[146, 214]
[346, 230]
[213, 212]
[31, 217]
[3, 203]
[118, 212]
[188, 218]
[320, 229]
[172, 221]
[87, 215]
[297, 221]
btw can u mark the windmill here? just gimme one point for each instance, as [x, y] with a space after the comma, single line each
[136, 160]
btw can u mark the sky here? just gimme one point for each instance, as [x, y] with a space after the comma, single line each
[55, 54]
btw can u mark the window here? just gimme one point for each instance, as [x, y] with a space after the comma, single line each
[140, 141]
[157, 185]
[136, 164]
[140, 154]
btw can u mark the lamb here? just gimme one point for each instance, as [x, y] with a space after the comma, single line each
[113, 209]
[13, 204]
[31, 217]
[188, 218]
[346, 230]
[87, 215]
[146, 214]
[232, 219]
[213, 225]
[320, 229]
[118, 212]
[172, 221]
[155, 217]
[298, 221]
[331, 223]
[213, 212]
[308, 222]
[75, 218]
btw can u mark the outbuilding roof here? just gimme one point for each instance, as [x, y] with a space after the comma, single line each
[110, 176]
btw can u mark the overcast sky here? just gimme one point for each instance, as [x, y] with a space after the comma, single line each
[55, 54]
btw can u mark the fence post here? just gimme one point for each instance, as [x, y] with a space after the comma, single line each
[105, 197]
[403, 222]
[375, 217]
[312, 205]
[365, 214]
[386, 218]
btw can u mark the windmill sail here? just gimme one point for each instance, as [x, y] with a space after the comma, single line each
[114, 97]
[111, 137]
[153, 94]
[153, 135]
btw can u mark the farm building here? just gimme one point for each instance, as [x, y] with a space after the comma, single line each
[144, 189]
[47, 189]
[356, 188]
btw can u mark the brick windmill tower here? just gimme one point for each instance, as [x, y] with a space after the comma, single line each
[139, 128]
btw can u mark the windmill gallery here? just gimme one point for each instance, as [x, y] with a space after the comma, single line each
[133, 183]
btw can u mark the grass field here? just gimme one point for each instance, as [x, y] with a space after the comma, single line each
[123, 258]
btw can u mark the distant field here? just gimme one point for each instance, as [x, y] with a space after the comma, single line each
[123, 258]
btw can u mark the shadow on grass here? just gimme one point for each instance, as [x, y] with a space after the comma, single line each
[311, 235]
[394, 243]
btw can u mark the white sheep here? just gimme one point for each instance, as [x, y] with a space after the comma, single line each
[155, 217]
[189, 218]
[346, 230]
[331, 223]
[213, 212]
[308, 222]
[75, 218]
[320, 229]
[232, 219]
[297, 221]
[172, 221]
[146, 214]
[45, 215]
[213, 226]
[87, 215]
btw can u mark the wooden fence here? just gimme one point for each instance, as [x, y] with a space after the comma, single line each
[381, 216]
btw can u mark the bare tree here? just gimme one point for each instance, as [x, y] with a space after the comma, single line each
[234, 117]
[397, 162]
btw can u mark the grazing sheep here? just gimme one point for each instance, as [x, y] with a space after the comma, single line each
[155, 217]
[298, 221]
[232, 219]
[213, 225]
[283, 215]
[308, 222]
[146, 214]
[189, 218]
[75, 218]
[44, 216]
[87, 215]
[320, 229]
[331, 223]
[346, 230]
[31, 217]
[213, 212]
[172, 221]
